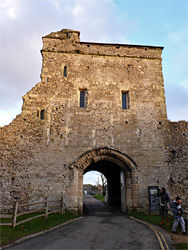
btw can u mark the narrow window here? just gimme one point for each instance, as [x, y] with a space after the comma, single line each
[42, 114]
[65, 71]
[125, 100]
[69, 34]
[82, 98]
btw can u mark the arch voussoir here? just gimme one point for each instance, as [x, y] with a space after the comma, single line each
[106, 153]
[127, 166]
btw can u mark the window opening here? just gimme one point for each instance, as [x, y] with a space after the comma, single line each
[82, 98]
[125, 100]
[42, 114]
[69, 34]
[65, 71]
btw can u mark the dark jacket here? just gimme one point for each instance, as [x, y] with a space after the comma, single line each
[165, 198]
[176, 210]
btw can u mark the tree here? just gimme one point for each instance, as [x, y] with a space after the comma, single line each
[104, 182]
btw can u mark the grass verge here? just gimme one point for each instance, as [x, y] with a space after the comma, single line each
[99, 197]
[155, 219]
[182, 246]
[10, 234]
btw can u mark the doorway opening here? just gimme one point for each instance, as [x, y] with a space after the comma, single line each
[121, 174]
[115, 186]
[95, 183]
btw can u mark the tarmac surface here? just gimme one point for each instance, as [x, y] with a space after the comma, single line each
[102, 227]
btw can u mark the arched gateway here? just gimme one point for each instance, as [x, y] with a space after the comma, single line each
[120, 171]
[106, 100]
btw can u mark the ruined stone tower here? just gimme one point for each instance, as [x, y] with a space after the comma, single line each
[98, 107]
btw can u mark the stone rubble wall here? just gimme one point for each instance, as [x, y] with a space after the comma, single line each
[177, 158]
[36, 154]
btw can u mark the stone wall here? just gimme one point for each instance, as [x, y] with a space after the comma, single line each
[37, 154]
[177, 158]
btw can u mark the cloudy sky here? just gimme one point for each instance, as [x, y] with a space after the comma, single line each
[93, 178]
[145, 22]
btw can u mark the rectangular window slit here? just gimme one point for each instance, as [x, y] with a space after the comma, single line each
[42, 114]
[65, 71]
[125, 100]
[82, 98]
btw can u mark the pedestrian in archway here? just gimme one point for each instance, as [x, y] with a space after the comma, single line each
[164, 205]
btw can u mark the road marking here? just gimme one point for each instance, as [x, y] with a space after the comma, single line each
[159, 239]
[159, 235]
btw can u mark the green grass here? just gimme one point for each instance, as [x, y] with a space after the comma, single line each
[10, 234]
[20, 218]
[155, 219]
[182, 246]
[5, 220]
[99, 197]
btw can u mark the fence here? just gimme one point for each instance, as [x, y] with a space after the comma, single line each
[48, 208]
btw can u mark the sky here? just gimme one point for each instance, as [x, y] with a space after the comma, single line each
[93, 178]
[144, 22]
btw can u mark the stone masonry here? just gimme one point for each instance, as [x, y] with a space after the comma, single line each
[46, 149]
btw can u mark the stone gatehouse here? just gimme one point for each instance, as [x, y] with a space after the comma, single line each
[98, 107]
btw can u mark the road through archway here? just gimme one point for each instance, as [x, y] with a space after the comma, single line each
[103, 228]
[120, 171]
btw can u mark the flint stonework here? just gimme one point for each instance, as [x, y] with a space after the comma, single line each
[48, 147]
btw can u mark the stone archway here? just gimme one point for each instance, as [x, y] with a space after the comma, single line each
[128, 174]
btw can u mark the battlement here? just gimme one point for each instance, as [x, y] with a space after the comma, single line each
[68, 41]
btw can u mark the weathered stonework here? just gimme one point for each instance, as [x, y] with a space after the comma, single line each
[177, 159]
[49, 156]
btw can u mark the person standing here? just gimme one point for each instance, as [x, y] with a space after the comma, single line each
[178, 216]
[164, 205]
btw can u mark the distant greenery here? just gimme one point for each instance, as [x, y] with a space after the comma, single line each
[10, 234]
[99, 197]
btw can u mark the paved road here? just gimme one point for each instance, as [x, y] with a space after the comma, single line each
[101, 228]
